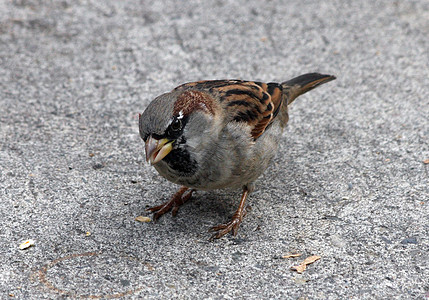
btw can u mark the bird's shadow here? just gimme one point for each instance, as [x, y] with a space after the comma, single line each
[203, 211]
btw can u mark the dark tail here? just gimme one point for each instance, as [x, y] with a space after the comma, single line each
[302, 84]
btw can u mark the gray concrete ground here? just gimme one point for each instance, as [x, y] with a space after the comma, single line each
[349, 183]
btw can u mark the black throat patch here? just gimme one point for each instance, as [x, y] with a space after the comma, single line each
[180, 160]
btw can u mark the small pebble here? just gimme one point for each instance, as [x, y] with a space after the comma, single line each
[411, 240]
[26, 244]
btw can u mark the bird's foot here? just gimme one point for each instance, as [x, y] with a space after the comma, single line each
[173, 204]
[232, 225]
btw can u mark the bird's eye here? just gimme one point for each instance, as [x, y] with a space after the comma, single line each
[176, 125]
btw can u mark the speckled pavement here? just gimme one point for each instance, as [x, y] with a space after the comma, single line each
[349, 183]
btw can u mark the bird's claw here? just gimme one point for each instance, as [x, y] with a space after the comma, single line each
[232, 225]
[173, 204]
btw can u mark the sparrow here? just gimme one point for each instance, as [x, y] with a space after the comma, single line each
[217, 134]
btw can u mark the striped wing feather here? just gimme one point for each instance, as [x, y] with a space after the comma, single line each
[255, 103]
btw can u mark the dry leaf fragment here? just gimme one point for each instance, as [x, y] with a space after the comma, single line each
[143, 219]
[299, 268]
[426, 161]
[300, 280]
[311, 259]
[290, 255]
[149, 267]
[87, 233]
[26, 244]
[302, 266]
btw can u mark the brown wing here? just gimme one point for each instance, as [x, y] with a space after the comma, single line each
[255, 103]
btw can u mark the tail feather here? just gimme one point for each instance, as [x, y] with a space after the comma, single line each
[304, 83]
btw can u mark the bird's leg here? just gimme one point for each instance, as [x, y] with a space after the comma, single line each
[173, 204]
[236, 219]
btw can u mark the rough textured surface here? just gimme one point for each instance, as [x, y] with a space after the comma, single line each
[349, 183]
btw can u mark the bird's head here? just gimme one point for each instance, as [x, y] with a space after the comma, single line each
[174, 126]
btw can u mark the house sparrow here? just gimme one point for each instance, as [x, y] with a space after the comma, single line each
[217, 134]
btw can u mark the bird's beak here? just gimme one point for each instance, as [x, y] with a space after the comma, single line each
[157, 149]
